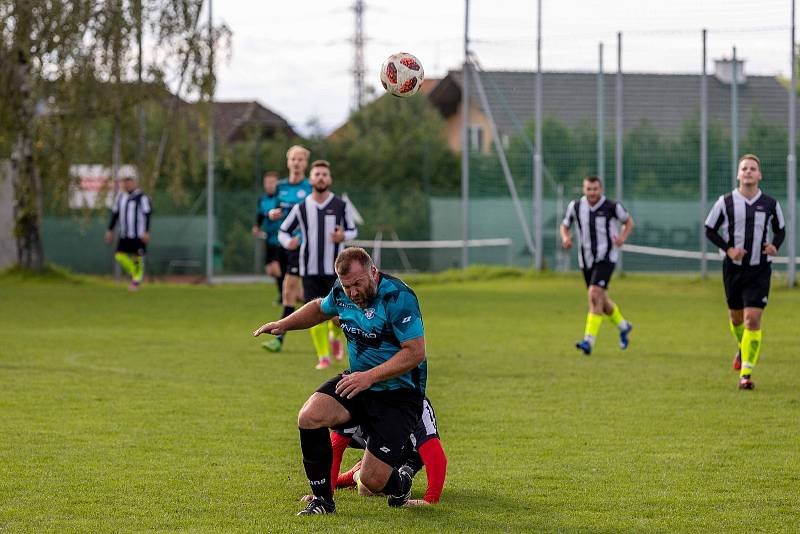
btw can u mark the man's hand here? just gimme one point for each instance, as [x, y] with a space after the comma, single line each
[275, 328]
[256, 231]
[338, 234]
[619, 241]
[770, 250]
[566, 242]
[145, 237]
[109, 236]
[352, 384]
[293, 243]
[274, 214]
[736, 254]
[417, 502]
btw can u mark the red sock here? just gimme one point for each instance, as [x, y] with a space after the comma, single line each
[339, 444]
[346, 479]
[435, 468]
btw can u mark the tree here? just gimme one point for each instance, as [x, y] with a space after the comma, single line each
[63, 68]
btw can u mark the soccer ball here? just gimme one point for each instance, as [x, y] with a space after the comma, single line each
[402, 74]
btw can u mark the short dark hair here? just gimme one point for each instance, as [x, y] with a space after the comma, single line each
[592, 178]
[349, 255]
[750, 156]
[272, 174]
[321, 163]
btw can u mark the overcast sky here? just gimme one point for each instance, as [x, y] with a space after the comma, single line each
[296, 57]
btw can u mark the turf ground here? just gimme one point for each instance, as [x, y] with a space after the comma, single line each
[159, 411]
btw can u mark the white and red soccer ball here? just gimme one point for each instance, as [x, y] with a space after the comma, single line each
[402, 74]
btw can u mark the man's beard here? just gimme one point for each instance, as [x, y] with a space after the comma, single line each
[320, 188]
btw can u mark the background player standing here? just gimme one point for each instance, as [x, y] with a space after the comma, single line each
[745, 215]
[267, 229]
[291, 190]
[132, 209]
[598, 221]
[325, 221]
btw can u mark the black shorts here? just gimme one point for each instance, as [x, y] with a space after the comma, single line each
[746, 287]
[131, 246]
[599, 274]
[272, 253]
[426, 429]
[317, 287]
[386, 418]
[291, 261]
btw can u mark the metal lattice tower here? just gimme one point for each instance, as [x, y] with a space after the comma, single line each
[358, 61]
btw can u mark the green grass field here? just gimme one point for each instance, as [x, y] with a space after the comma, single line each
[159, 411]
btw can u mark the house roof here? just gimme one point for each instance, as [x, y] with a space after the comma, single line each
[666, 101]
[233, 120]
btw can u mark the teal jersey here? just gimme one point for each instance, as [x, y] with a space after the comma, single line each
[266, 203]
[290, 194]
[374, 333]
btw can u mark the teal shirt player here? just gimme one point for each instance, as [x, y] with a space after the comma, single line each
[266, 203]
[374, 333]
[290, 194]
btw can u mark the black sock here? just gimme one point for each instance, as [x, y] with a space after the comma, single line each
[318, 460]
[394, 486]
[279, 281]
[287, 311]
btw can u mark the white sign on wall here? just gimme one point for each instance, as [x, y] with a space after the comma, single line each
[92, 187]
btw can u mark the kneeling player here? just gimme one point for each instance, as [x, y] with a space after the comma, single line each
[424, 448]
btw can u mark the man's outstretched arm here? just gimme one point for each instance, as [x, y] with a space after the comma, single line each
[309, 315]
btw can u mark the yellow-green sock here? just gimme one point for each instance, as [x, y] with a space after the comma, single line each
[751, 348]
[738, 331]
[319, 336]
[617, 319]
[138, 272]
[126, 262]
[593, 322]
[335, 332]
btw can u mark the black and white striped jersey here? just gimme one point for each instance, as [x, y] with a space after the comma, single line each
[316, 223]
[744, 224]
[133, 212]
[598, 225]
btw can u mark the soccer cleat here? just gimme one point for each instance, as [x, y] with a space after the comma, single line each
[737, 360]
[401, 498]
[319, 505]
[134, 286]
[746, 383]
[324, 363]
[623, 337]
[337, 348]
[585, 346]
[273, 345]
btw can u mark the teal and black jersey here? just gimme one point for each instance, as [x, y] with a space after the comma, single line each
[266, 203]
[374, 333]
[290, 194]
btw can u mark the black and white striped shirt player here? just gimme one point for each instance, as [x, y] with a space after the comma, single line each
[318, 252]
[736, 222]
[597, 227]
[132, 210]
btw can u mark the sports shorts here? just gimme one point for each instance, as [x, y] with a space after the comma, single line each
[130, 245]
[317, 286]
[272, 253]
[291, 261]
[745, 286]
[386, 418]
[599, 274]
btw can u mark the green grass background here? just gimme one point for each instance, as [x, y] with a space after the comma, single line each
[158, 411]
